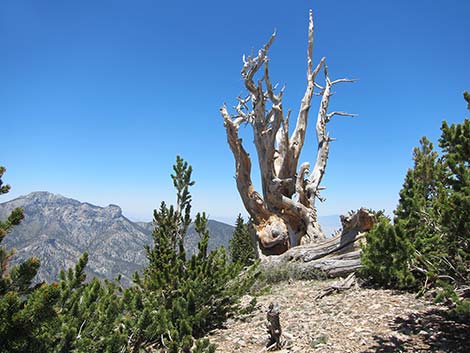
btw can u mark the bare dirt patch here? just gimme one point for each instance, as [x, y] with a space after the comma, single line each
[357, 320]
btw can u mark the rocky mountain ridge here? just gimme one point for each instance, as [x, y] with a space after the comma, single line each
[57, 230]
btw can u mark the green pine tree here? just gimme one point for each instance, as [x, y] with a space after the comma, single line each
[455, 219]
[241, 246]
[419, 209]
[415, 235]
[386, 257]
[177, 300]
[25, 310]
[432, 221]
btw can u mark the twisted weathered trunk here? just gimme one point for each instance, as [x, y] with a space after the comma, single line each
[285, 214]
[337, 256]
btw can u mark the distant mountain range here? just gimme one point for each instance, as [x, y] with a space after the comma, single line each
[57, 230]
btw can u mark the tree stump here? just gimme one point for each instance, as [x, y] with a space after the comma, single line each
[274, 326]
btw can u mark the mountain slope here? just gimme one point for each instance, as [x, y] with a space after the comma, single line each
[58, 230]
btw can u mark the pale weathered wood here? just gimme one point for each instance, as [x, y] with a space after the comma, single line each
[284, 213]
[335, 257]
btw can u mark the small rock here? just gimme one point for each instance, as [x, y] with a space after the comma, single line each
[423, 333]
[241, 343]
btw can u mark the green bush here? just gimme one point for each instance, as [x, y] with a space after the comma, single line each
[386, 257]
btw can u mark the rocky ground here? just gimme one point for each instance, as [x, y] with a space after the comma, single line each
[356, 320]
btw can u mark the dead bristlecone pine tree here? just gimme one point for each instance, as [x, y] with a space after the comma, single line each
[284, 215]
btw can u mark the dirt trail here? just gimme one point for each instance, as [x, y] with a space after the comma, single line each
[357, 320]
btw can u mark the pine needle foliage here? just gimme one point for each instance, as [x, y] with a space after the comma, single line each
[173, 304]
[181, 298]
[386, 256]
[25, 310]
[428, 244]
[69, 316]
[90, 315]
[241, 246]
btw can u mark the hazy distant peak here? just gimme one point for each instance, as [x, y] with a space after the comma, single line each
[46, 197]
[41, 194]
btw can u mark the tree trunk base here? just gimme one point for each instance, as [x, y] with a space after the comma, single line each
[334, 257]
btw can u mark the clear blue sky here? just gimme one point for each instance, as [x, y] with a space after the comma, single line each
[98, 97]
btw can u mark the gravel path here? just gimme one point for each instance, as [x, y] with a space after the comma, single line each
[356, 320]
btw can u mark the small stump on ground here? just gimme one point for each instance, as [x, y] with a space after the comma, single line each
[274, 326]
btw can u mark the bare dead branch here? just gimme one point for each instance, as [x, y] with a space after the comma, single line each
[252, 65]
[341, 80]
[330, 115]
